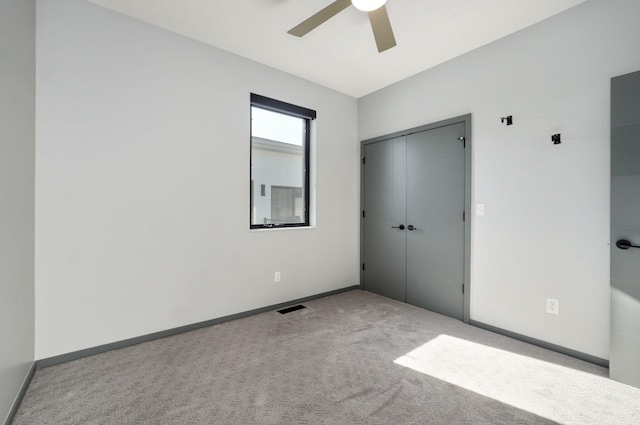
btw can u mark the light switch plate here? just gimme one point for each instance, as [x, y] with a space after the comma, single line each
[479, 209]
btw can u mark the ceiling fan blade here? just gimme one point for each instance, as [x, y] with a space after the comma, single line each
[381, 27]
[319, 18]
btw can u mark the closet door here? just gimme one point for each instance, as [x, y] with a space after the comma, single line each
[435, 219]
[414, 236]
[384, 203]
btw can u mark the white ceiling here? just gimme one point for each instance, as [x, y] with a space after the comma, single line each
[341, 54]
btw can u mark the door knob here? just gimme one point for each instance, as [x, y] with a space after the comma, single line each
[410, 227]
[401, 227]
[622, 244]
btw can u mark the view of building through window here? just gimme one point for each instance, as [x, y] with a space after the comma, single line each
[279, 147]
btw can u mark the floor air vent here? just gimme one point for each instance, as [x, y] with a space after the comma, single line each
[290, 309]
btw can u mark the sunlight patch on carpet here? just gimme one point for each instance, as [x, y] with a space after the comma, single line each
[529, 384]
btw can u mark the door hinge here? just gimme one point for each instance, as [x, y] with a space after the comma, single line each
[363, 214]
[464, 141]
[464, 216]
[364, 160]
[463, 288]
[362, 266]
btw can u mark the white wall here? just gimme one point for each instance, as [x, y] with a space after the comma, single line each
[17, 153]
[142, 183]
[545, 231]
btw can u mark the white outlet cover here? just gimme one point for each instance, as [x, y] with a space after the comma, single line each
[553, 306]
[479, 209]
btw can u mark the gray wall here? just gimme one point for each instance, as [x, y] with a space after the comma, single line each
[142, 183]
[546, 229]
[17, 152]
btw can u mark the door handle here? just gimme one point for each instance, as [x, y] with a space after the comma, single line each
[410, 227]
[401, 227]
[622, 244]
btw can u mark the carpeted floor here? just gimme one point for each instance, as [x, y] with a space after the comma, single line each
[352, 358]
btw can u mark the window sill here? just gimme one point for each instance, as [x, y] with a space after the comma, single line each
[280, 229]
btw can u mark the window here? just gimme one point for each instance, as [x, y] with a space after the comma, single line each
[280, 139]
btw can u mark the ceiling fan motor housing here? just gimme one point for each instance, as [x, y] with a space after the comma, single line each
[368, 5]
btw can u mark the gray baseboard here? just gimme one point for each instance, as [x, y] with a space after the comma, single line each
[21, 393]
[549, 346]
[63, 358]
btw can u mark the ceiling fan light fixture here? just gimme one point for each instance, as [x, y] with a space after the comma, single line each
[368, 5]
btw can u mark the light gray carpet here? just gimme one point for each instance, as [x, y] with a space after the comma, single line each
[352, 358]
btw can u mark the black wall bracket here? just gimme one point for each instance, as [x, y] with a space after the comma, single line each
[507, 119]
[555, 138]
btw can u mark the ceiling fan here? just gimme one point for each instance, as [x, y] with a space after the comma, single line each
[377, 16]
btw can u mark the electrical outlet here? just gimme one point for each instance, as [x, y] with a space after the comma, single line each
[276, 278]
[553, 306]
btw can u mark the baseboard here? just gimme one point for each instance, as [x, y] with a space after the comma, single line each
[63, 358]
[21, 393]
[549, 346]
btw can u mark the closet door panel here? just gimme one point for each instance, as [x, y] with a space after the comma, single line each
[435, 207]
[385, 212]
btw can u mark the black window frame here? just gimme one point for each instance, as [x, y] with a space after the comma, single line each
[307, 115]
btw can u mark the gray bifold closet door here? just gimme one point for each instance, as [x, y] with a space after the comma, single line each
[625, 229]
[414, 230]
